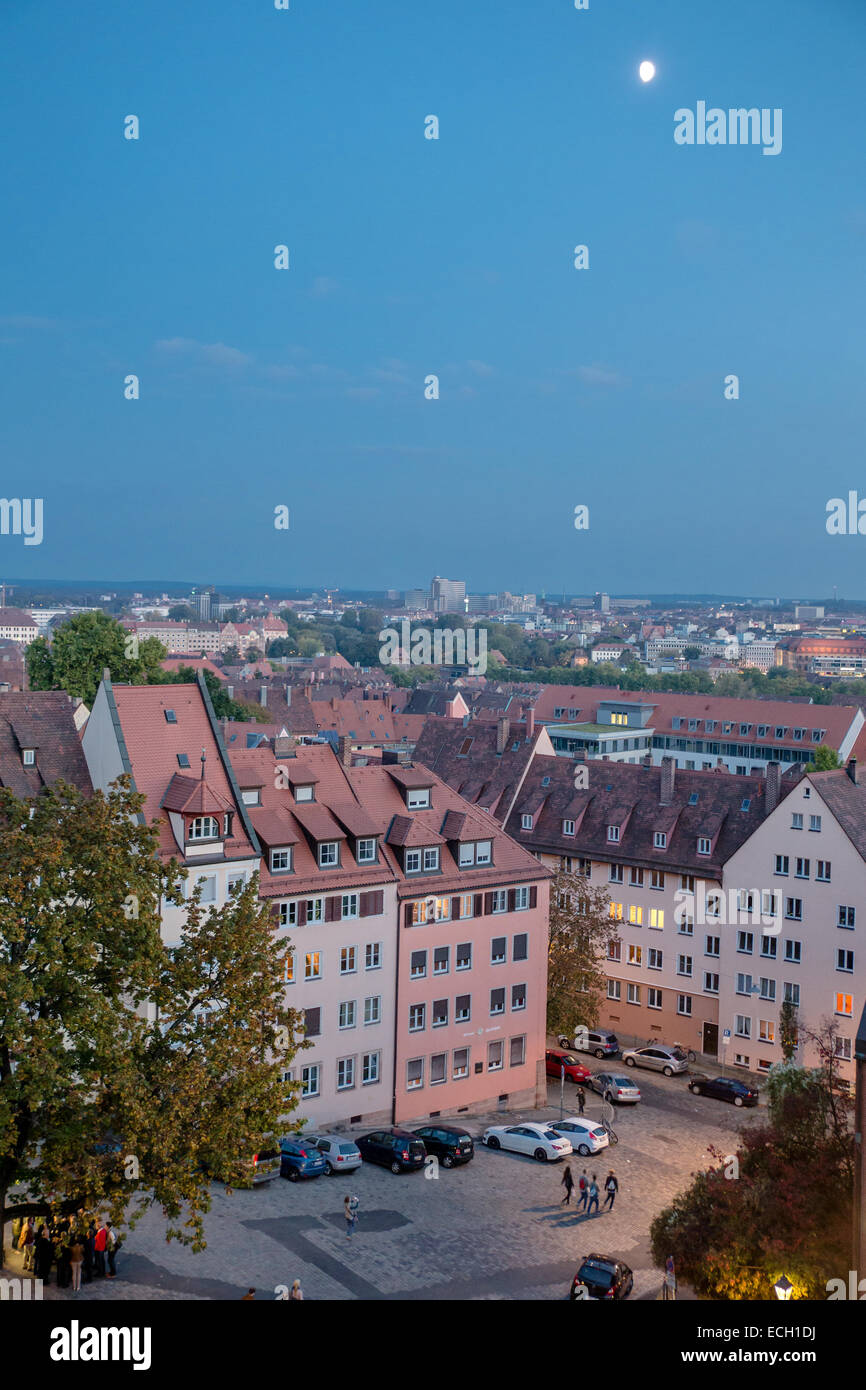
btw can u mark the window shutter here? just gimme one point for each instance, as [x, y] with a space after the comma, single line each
[377, 902]
[302, 913]
[455, 908]
[329, 909]
[477, 905]
[312, 1022]
[407, 915]
[512, 899]
[488, 902]
[337, 909]
[533, 896]
[364, 904]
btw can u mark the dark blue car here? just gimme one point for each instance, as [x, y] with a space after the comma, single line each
[301, 1159]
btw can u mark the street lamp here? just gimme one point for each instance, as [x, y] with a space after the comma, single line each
[784, 1288]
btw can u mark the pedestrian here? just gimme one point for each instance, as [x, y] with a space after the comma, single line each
[568, 1184]
[581, 1100]
[76, 1259]
[611, 1187]
[27, 1241]
[250, 1294]
[111, 1251]
[17, 1227]
[583, 1185]
[99, 1243]
[297, 1293]
[61, 1251]
[44, 1255]
[593, 1195]
[350, 1211]
[89, 1267]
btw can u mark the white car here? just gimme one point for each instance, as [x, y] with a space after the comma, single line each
[585, 1136]
[541, 1141]
[659, 1057]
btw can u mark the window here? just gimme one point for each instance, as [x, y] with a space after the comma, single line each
[417, 965]
[498, 950]
[438, 1068]
[614, 989]
[744, 984]
[203, 828]
[345, 1073]
[615, 911]
[348, 960]
[483, 852]
[312, 966]
[770, 903]
[704, 845]
[462, 1008]
[365, 851]
[768, 989]
[614, 874]
[714, 904]
[654, 959]
[350, 905]
[684, 1005]
[234, 881]
[746, 942]
[794, 909]
[207, 883]
[654, 999]
[418, 799]
[711, 982]
[439, 1017]
[657, 918]
[500, 900]
[815, 823]
[431, 859]
[782, 862]
[417, 1017]
[635, 877]
[845, 961]
[373, 1009]
[328, 854]
[657, 878]
[370, 1068]
[521, 899]
[635, 954]
[518, 998]
[743, 1026]
[684, 965]
[793, 951]
[517, 1051]
[29, 758]
[769, 946]
[802, 868]
[712, 946]
[844, 1005]
[520, 946]
[568, 827]
[633, 994]
[441, 960]
[315, 910]
[766, 1030]
[845, 917]
[347, 1014]
[497, 1001]
[290, 967]
[303, 793]
[526, 822]
[613, 833]
[687, 925]
[660, 839]
[310, 1080]
[822, 871]
[373, 955]
[635, 916]
[495, 1056]
[415, 1074]
[463, 956]
[614, 950]
[466, 905]
[412, 861]
[843, 1049]
[791, 993]
[796, 820]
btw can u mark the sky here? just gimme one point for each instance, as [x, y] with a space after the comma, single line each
[410, 257]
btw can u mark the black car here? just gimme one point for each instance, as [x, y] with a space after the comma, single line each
[724, 1088]
[603, 1277]
[449, 1143]
[397, 1149]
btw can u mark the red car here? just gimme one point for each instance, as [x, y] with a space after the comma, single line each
[574, 1070]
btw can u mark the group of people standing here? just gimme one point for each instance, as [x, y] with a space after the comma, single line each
[588, 1189]
[82, 1248]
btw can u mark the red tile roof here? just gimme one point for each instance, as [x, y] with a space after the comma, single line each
[44, 718]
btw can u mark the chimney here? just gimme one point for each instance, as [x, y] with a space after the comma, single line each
[263, 695]
[288, 695]
[666, 785]
[529, 716]
[774, 782]
[502, 727]
[647, 759]
[333, 702]
[851, 769]
[386, 700]
[230, 691]
[283, 745]
[344, 750]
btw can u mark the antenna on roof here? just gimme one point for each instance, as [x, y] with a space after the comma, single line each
[203, 761]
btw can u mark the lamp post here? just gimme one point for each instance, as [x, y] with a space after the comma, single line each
[858, 1244]
[784, 1288]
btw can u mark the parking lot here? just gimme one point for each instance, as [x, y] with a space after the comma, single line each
[492, 1229]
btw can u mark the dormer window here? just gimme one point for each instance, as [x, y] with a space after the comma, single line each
[204, 828]
[704, 845]
[526, 822]
[473, 852]
[28, 756]
[418, 798]
[762, 731]
[568, 827]
[613, 833]
[365, 852]
[183, 760]
[660, 839]
[305, 793]
[281, 861]
[251, 796]
[329, 854]
[431, 859]
[228, 817]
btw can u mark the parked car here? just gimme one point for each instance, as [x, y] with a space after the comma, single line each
[599, 1041]
[725, 1088]
[540, 1141]
[604, 1277]
[340, 1154]
[449, 1143]
[299, 1158]
[585, 1136]
[260, 1168]
[658, 1057]
[574, 1070]
[397, 1149]
[615, 1087]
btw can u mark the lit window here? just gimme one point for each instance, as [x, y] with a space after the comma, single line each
[844, 1005]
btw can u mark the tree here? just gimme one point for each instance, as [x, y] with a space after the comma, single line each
[691, 653]
[788, 1029]
[80, 950]
[180, 613]
[308, 645]
[823, 759]
[223, 706]
[231, 656]
[83, 647]
[580, 929]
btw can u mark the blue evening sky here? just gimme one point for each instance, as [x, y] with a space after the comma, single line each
[411, 256]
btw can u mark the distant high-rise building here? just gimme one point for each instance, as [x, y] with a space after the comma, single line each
[808, 612]
[416, 598]
[602, 603]
[447, 595]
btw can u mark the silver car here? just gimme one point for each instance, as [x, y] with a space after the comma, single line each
[658, 1057]
[340, 1154]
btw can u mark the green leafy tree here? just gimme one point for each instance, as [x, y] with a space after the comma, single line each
[580, 929]
[180, 613]
[83, 647]
[80, 951]
[823, 759]
[231, 656]
[788, 1029]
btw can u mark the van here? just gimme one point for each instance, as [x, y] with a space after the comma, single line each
[601, 1042]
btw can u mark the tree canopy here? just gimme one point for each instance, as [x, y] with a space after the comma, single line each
[81, 649]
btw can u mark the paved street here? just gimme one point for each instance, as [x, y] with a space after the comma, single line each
[491, 1230]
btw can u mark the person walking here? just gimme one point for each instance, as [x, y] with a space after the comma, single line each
[89, 1252]
[44, 1255]
[61, 1254]
[593, 1196]
[76, 1259]
[568, 1184]
[27, 1241]
[581, 1100]
[583, 1186]
[296, 1294]
[111, 1250]
[350, 1211]
[100, 1241]
[611, 1187]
